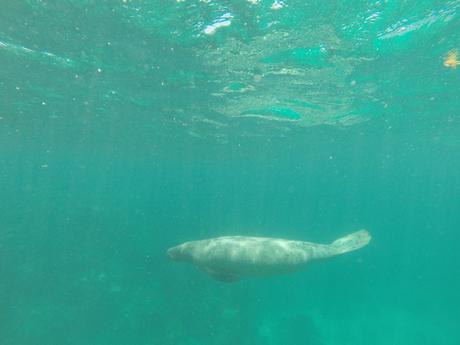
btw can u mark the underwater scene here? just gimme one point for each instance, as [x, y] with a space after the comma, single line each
[229, 172]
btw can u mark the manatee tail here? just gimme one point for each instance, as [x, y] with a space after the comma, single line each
[351, 242]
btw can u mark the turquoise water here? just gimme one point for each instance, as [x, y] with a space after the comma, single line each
[128, 127]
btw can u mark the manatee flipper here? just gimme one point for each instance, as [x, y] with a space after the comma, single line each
[350, 242]
[222, 276]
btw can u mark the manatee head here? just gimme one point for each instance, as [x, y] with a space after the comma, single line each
[180, 253]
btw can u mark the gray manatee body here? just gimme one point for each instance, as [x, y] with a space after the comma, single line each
[230, 258]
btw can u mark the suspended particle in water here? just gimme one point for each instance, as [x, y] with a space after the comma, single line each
[277, 4]
[451, 59]
[223, 21]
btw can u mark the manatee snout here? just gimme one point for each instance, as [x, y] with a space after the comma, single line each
[172, 253]
[178, 253]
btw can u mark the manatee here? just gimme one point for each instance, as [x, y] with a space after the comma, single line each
[230, 258]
